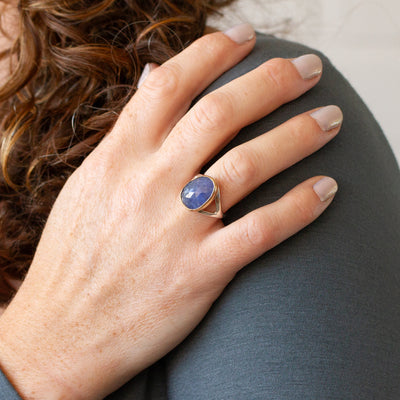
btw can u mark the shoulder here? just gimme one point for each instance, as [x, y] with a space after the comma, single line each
[269, 46]
[361, 138]
[333, 88]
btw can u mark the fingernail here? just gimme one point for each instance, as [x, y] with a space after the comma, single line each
[145, 73]
[325, 188]
[328, 118]
[241, 33]
[309, 66]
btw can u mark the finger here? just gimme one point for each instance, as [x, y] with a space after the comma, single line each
[166, 94]
[244, 168]
[217, 117]
[239, 243]
[148, 68]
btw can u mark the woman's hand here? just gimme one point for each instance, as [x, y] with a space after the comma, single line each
[123, 271]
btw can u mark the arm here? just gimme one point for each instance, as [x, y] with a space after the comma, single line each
[123, 272]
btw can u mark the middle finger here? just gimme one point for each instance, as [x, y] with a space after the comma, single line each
[218, 116]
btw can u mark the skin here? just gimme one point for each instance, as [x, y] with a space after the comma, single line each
[123, 272]
[8, 14]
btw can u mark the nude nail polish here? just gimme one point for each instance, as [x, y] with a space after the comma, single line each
[145, 73]
[328, 118]
[325, 188]
[309, 66]
[241, 33]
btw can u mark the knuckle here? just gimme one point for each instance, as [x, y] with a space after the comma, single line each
[102, 161]
[212, 112]
[163, 81]
[238, 167]
[209, 45]
[303, 211]
[300, 131]
[276, 74]
[255, 232]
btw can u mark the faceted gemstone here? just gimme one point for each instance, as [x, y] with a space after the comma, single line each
[197, 192]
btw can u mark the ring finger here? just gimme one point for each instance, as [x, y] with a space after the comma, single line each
[247, 166]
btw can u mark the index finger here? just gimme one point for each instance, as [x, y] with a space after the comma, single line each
[168, 91]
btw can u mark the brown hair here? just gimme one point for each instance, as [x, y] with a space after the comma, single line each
[75, 65]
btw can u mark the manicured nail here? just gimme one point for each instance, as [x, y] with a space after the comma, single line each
[328, 118]
[241, 33]
[309, 66]
[325, 188]
[145, 73]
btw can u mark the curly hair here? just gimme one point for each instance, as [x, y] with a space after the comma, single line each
[75, 65]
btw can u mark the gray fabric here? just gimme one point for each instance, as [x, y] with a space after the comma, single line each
[318, 317]
[7, 392]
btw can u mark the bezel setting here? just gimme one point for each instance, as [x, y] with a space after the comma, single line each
[214, 196]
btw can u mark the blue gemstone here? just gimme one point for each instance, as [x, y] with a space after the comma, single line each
[197, 192]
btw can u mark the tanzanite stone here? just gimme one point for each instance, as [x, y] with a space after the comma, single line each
[197, 192]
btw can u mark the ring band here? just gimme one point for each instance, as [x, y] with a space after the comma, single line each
[199, 193]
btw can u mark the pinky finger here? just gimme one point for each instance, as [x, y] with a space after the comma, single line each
[239, 243]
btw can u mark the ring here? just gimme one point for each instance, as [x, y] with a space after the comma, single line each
[199, 193]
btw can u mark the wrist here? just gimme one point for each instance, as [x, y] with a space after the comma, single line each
[27, 380]
[29, 369]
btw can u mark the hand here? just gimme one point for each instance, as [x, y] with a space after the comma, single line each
[123, 272]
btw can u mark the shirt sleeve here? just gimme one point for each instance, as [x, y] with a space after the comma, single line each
[7, 391]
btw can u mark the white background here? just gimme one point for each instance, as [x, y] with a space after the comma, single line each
[360, 37]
